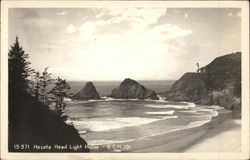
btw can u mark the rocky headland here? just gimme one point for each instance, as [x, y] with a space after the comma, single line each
[88, 92]
[218, 83]
[130, 89]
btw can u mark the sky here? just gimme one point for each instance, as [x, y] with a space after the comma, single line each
[118, 43]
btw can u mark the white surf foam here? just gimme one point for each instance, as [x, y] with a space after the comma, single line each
[115, 99]
[67, 100]
[212, 112]
[105, 124]
[185, 105]
[95, 100]
[102, 142]
[217, 107]
[189, 104]
[84, 101]
[189, 111]
[166, 112]
[169, 117]
[82, 132]
[161, 99]
[167, 106]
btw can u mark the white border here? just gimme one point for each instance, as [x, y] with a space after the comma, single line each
[244, 5]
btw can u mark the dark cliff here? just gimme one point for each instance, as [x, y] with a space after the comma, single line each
[88, 92]
[130, 89]
[190, 87]
[217, 83]
[31, 123]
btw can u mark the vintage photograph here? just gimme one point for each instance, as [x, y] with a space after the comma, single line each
[125, 79]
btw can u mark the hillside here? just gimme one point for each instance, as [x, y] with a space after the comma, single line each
[217, 83]
[31, 123]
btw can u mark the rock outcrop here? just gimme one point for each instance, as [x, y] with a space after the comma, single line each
[88, 92]
[217, 83]
[190, 87]
[130, 89]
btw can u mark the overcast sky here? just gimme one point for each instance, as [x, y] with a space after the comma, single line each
[117, 43]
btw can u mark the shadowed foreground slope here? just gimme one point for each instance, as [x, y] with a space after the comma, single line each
[33, 124]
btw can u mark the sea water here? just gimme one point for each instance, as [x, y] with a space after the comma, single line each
[110, 120]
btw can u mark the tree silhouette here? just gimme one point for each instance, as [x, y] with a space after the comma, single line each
[45, 80]
[19, 68]
[60, 91]
[37, 85]
[30, 122]
[18, 72]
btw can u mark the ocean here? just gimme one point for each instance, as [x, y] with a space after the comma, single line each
[109, 121]
[104, 88]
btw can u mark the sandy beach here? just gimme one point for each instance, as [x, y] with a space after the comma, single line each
[221, 134]
[226, 137]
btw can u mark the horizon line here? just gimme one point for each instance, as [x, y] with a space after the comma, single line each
[121, 80]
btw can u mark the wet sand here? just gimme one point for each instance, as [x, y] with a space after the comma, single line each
[221, 134]
[224, 138]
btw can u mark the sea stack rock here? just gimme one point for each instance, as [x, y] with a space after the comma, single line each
[130, 89]
[88, 92]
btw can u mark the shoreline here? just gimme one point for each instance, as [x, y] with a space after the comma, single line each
[226, 137]
[177, 141]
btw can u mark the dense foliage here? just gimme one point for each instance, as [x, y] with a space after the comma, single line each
[19, 69]
[35, 113]
[24, 79]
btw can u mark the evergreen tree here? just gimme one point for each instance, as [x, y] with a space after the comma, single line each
[19, 68]
[31, 82]
[37, 85]
[45, 80]
[60, 91]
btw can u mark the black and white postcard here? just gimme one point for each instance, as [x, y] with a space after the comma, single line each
[124, 80]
